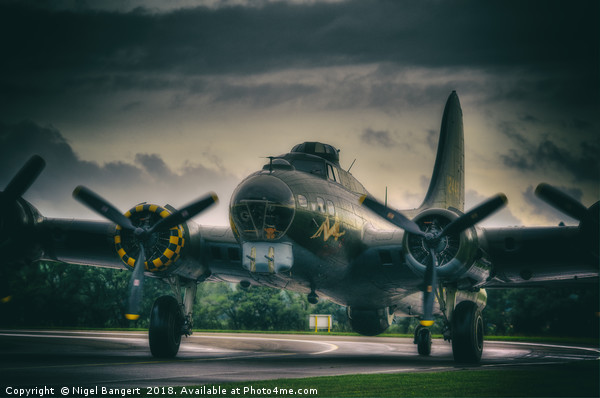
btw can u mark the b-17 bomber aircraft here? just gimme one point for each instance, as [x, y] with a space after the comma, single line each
[304, 224]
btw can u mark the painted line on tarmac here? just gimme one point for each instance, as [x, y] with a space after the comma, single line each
[58, 336]
[570, 347]
[331, 347]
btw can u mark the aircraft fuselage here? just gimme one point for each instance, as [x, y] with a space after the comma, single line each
[321, 221]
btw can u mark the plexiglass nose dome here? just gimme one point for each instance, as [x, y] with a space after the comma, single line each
[262, 208]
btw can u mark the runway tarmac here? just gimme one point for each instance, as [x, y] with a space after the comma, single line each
[123, 360]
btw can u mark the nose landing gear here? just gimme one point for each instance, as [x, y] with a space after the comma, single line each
[423, 340]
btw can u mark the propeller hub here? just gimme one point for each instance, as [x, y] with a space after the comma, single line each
[419, 248]
[430, 238]
[162, 247]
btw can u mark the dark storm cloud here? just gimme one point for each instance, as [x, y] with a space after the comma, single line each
[581, 160]
[153, 164]
[380, 138]
[261, 95]
[540, 34]
[148, 178]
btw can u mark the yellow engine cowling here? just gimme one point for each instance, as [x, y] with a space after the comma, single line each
[162, 249]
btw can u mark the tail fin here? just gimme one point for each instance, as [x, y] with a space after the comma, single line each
[447, 186]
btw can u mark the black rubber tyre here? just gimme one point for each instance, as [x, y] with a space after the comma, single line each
[166, 321]
[424, 342]
[467, 333]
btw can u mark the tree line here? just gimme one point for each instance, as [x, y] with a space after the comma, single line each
[61, 295]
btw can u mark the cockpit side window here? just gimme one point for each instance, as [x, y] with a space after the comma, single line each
[309, 166]
[330, 173]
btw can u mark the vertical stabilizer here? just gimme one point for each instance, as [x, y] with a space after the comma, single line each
[447, 186]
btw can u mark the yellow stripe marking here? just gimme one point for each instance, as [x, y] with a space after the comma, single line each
[132, 317]
[426, 323]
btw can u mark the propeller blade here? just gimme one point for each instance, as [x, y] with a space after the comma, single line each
[561, 201]
[98, 204]
[429, 286]
[475, 215]
[396, 218]
[182, 215]
[24, 178]
[136, 287]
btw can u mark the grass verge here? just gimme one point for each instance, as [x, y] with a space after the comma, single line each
[577, 379]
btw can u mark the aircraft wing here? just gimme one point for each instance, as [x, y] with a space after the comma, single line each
[523, 257]
[204, 249]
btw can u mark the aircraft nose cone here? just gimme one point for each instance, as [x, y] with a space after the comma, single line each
[262, 208]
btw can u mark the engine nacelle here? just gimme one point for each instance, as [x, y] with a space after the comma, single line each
[459, 256]
[368, 321]
[17, 221]
[162, 249]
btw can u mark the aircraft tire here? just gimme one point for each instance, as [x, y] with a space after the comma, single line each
[467, 333]
[424, 342]
[165, 327]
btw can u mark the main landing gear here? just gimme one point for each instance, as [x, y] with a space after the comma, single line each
[467, 333]
[463, 326]
[170, 319]
[166, 321]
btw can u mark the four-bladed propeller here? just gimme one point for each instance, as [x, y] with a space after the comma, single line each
[431, 239]
[142, 234]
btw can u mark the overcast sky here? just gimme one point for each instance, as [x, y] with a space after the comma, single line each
[164, 101]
